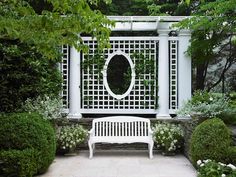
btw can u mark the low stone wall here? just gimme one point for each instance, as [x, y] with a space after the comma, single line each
[188, 124]
[87, 123]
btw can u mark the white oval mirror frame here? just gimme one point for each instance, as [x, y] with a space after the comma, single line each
[132, 66]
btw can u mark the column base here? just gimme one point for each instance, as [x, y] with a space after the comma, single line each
[163, 116]
[74, 116]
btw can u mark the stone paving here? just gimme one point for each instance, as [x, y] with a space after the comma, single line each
[119, 163]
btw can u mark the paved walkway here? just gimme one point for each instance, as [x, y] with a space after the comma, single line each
[120, 164]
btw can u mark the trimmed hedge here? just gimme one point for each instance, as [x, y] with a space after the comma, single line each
[21, 163]
[22, 131]
[210, 140]
[232, 155]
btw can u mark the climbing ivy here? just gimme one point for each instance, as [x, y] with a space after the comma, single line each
[97, 61]
[144, 65]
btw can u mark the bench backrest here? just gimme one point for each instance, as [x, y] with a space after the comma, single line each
[121, 126]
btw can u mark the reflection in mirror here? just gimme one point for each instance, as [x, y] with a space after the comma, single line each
[119, 74]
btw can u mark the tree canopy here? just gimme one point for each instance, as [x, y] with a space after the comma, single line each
[31, 33]
[213, 40]
[47, 29]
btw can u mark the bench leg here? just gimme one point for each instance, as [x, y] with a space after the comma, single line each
[150, 148]
[93, 146]
[90, 149]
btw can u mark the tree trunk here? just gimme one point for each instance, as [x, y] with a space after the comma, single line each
[201, 75]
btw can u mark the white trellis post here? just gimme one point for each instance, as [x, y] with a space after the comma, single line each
[184, 68]
[74, 84]
[163, 75]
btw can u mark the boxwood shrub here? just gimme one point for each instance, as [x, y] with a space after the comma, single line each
[22, 131]
[210, 140]
[21, 163]
[232, 155]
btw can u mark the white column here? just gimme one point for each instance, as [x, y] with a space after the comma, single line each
[163, 75]
[75, 101]
[184, 68]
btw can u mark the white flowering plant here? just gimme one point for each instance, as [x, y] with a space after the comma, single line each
[70, 136]
[207, 104]
[168, 137]
[50, 108]
[211, 168]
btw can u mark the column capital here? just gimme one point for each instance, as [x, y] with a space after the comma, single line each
[163, 32]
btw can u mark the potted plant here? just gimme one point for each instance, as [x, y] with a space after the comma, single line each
[168, 137]
[70, 136]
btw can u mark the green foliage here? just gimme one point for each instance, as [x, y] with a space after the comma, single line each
[210, 168]
[232, 155]
[22, 131]
[233, 99]
[213, 40]
[168, 136]
[98, 61]
[59, 25]
[24, 73]
[118, 74]
[145, 65]
[168, 7]
[20, 163]
[124, 7]
[229, 118]
[210, 140]
[48, 108]
[207, 104]
[70, 136]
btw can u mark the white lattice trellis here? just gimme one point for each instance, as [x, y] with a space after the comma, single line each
[94, 93]
[173, 57]
[143, 94]
[64, 67]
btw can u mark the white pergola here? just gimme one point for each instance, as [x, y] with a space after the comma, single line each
[173, 70]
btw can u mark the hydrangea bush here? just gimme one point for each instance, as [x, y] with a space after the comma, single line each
[205, 103]
[69, 136]
[210, 168]
[49, 108]
[168, 136]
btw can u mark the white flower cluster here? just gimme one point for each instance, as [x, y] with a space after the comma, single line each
[168, 136]
[208, 166]
[68, 137]
[49, 108]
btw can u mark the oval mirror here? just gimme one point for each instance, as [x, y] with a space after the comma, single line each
[119, 75]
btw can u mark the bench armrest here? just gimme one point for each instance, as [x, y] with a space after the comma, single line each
[91, 131]
[150, 131]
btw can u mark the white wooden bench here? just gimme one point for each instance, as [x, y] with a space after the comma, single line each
[120, 129]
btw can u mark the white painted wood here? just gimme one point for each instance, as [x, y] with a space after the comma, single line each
[99, 100]
[126, 38]
[104, 72]
[148, 18]
[64, 68]
[173, 45]
[124, 134]
[74, 84]
[184, 68]
[163, 75]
